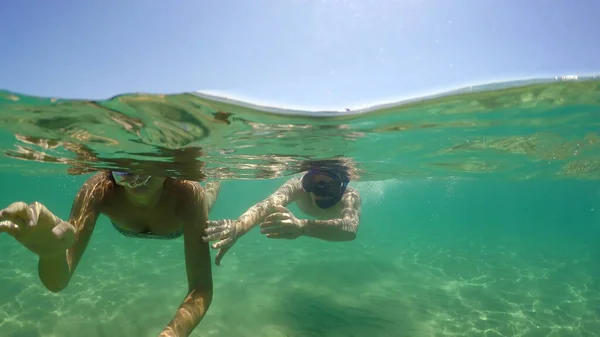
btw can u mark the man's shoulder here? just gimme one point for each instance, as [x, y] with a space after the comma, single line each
[353, 191]
[352, 195]
[292, 183]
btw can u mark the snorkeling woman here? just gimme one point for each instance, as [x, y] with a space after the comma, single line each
[138, 206]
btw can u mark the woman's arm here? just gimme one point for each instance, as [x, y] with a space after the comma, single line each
[197, 261]
[211, 190]
[282, 197]
[56, 272]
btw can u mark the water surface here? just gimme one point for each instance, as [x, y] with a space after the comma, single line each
[533, 128]
[479, 216]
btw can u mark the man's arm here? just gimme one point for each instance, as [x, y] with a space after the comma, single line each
[56, 272]
[282, 197]
[341, 229]
[197, 262]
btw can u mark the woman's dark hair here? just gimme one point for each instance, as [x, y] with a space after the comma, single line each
[179, 164]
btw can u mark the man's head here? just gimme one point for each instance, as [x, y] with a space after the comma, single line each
[326, 184]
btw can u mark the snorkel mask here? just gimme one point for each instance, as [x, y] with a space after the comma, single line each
[130, 180]
[331, 192]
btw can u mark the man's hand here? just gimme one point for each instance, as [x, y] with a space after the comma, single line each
[225, 232]
[282, 224]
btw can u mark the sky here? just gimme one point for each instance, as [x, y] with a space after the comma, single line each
[293, 53]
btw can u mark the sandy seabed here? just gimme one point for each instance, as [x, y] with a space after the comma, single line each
[451, 287]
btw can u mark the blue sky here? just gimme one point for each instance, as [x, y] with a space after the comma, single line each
[313, 54]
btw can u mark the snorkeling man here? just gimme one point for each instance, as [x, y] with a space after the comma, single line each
[322, 193]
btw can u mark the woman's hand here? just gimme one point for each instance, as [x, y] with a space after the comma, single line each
[282, 224]
[36, 228]
[225, 232]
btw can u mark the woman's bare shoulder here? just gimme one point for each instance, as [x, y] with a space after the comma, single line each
[95, 193]
[98, 178]
[98, 184]
[186, 190]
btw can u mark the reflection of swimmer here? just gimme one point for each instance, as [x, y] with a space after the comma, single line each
[322, 192]
[138, 206]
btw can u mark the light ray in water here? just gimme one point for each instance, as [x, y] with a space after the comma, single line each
[521, 130]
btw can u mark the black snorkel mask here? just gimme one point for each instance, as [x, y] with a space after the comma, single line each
[331, 192]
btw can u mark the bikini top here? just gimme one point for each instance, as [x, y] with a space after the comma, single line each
[147, 234]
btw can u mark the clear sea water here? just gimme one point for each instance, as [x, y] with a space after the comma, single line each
[480, 214]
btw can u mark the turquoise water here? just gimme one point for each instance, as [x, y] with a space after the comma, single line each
[480, 215]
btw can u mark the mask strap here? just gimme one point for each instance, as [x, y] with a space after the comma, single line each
[344, 186]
